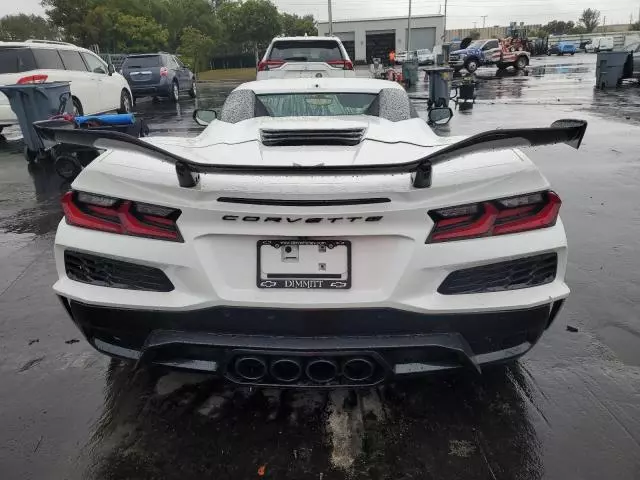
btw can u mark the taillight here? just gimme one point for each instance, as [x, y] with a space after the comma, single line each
[344, 64]
[32, 79]
[164, 71]
[264, 65]
[495, 217]
[123, 217]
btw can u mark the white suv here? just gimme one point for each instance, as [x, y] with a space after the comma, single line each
[95, 87]
[295, 57]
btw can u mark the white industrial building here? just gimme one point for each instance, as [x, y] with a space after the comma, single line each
[375, 38]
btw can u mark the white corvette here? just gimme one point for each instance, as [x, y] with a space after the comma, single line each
[318, 234]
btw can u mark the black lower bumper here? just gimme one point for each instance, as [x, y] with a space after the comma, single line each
[146, 90]
[244, 344]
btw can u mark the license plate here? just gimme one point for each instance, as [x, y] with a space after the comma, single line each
[304, 264]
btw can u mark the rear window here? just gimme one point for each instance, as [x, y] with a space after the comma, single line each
[73, 61]
[48, 59]
[306, 51]
[316, 105]
[143, 61]
[16, 60]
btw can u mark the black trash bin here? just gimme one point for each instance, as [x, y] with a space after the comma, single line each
[35, 102]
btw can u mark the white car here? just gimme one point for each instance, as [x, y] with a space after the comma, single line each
[318, 233]
[425, 57]
[600, 44]
[95, 87]
[401, 57]
[295, 57]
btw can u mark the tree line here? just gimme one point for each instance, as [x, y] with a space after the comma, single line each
[587, 23]
[197, 29]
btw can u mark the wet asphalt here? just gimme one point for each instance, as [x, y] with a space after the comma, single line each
[569, 410]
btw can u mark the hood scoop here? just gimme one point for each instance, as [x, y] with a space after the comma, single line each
[287, 138]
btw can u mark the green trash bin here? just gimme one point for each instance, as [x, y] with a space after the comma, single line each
[610, 68]
[35, 102]
[410, 70]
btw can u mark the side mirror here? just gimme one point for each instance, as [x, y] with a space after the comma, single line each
[440, 116]
[204, 117]
[111, 69]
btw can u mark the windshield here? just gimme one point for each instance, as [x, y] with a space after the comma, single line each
[316, 105]
[143, 61]
[477, 44]
[306, 51]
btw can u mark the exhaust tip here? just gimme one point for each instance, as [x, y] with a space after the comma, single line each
[358, 369]
[250, 368]
[286, 370]
[322, 370]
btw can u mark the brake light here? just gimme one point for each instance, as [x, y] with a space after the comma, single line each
[124, 217]
[164, 71]
[344, 64]
[32, 79]
[496, 217]
[264, 65]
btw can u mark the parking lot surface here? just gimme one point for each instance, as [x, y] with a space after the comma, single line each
[569, 410]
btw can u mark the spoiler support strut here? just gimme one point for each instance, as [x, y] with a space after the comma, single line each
[570, 132]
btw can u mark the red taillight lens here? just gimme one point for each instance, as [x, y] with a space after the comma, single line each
[496, 217]
[265, 65]
[164, 71]
[123, 217]
[344, 64]
[32, 79]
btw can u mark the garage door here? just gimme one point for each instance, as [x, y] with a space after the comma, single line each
[422, 38]
[348, 40]
[380, 43]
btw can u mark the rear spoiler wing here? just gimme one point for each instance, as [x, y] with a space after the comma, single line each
[569, 132]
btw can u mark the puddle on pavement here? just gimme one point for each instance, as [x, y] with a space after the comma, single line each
[372, 433]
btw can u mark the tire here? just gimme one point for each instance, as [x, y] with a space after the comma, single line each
[174, 95]
[67, 167]
[77, 107]
[194, 90]
[521, 63]
[573, 53]
[126, 104]
[471, 65]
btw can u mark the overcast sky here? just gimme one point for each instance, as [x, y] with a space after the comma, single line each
[461, 13]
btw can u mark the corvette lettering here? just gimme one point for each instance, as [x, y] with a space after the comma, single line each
[252, 218]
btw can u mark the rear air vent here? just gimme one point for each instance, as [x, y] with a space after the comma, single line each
[281, 138]
[106, 272]
[303, 203]
[497, 277]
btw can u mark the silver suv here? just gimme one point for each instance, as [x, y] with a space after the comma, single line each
[296, 57]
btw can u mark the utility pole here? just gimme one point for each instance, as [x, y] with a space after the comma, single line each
[330, 21]
[474, 25]
[484, 19]
[409, 29]
[604, 24]
[444, 34]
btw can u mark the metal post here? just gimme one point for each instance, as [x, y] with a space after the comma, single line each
[409, 29]
[444, 34]
[330, 20]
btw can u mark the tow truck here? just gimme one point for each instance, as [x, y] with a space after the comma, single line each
[505, 53]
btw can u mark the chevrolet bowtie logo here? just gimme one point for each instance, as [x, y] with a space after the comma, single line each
[338, 284]
[268, 284]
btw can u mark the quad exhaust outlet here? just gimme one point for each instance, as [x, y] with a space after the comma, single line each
[304, 370]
